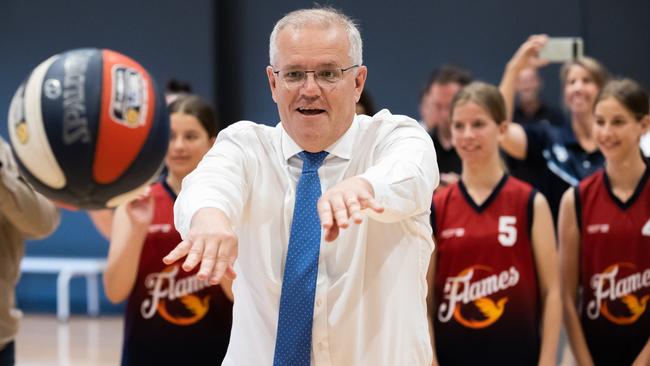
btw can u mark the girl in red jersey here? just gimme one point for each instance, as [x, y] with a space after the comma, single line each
[494, 275]
[604, 233]
[169, 311]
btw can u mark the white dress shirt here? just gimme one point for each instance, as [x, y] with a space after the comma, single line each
[370, 306]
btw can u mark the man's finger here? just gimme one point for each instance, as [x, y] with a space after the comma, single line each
[194, 256]
[219, 270]
[325, 214]
[332, 233]
[178, 252]
[354, 208]
[224, 258]
[208, 259]
[230, 273]
[367, 201]
[340, 211]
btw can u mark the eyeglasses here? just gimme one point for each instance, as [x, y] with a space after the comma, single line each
[325, 78]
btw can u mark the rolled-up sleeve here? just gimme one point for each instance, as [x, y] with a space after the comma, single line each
[28, 211]
[406, 172]
[219, 181]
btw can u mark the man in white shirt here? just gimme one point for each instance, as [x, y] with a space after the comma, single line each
[369, 302]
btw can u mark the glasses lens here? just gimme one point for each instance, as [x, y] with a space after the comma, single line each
[329, 76]
[293, 77]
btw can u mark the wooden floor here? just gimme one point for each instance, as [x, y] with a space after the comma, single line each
[43, 340]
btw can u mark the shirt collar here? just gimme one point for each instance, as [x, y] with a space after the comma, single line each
[342, 148]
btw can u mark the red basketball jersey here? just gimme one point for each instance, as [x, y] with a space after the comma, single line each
[614, 269]
[169, 310]
[486, 308]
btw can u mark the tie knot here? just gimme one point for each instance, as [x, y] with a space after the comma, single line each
[312, 161]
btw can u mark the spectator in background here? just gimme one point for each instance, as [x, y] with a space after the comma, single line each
[530, 107]
[169, 311]
[443, 84]
[531, 110]
[365, 105]
[426, 109]
[24, 213]
[560, 155]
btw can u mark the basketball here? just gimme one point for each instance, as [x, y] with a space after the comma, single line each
[89, 128]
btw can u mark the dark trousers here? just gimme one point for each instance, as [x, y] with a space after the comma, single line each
[8, 354]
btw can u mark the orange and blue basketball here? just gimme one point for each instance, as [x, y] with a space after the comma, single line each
[89, 128]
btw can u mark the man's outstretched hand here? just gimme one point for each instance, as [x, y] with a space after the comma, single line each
[211, 242]
[341, 205]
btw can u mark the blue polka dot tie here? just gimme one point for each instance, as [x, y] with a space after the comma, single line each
[293, 340]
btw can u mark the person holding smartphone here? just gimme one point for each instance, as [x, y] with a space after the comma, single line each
[562, 155]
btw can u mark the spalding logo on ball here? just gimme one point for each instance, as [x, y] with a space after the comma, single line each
[89, 128]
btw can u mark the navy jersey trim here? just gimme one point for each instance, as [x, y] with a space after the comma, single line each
[432, 218]
[169, 189]
[578, 207]
[531, 212]
[491, 197]
[637, 191]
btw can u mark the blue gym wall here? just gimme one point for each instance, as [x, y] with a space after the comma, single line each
[221, 48]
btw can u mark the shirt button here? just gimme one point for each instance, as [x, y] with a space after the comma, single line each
[319, 302]
[586, 164]
[321, 346]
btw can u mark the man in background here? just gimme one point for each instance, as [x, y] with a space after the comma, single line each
[441, 88]
[530, 107]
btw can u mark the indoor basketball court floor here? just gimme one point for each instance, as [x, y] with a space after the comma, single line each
[85, 341]
[43, 340]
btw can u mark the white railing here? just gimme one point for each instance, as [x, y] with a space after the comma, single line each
[66, 268]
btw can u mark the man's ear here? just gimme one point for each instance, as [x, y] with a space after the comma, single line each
[272, 82]
[359, 82]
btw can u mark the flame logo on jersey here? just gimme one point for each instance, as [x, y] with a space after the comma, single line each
[164, 288]
[608, 291]
[460, 292]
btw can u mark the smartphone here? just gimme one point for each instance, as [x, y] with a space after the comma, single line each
[562, 49]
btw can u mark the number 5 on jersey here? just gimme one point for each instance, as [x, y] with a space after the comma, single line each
[507, 230]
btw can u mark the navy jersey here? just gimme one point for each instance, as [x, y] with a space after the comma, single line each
[486, 297]
[171, 316]
[553, 152]
[614, 269]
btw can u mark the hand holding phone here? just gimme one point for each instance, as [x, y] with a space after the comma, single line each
[562, 49]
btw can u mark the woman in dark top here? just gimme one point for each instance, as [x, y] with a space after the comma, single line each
[563, 155]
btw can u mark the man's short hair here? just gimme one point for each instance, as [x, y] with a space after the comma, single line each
[445, 74]
[325, 17]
